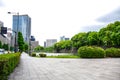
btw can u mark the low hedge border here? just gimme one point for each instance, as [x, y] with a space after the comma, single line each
[112, 52]
[91, 52]
[8, 62]
[42, 55]
[33, 54]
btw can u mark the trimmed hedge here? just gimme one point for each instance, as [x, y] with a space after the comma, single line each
[42, 55]
[91, 52]
[8, 62]
[33, 54]
[112, 52]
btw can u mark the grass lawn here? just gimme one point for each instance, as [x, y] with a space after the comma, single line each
[63, 56]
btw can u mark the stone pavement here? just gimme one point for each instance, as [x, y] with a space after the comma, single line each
[66, 69]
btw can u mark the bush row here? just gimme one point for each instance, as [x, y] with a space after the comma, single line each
[41, 54]
[112, 52]
[7, 64]
[97, 52]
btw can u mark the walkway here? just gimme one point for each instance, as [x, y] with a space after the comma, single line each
[66, 69]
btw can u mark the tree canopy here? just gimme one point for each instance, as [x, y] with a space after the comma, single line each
[108, 36]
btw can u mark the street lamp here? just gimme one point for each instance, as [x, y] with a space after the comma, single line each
[16, 32]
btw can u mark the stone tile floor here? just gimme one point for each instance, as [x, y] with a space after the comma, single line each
[31, 68]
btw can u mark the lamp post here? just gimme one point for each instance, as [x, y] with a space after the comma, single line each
[15, 45]
[16, 32]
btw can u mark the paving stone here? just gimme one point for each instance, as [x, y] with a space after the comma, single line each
[31, 68]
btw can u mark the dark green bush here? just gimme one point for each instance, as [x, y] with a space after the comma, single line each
[42, 55]
[112, 52]
[7, 64]
[91, 52]
[33, 54]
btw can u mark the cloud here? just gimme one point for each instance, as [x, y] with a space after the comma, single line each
[110, 17]
[91, 28]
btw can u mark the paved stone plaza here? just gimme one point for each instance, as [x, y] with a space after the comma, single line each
[66, 69]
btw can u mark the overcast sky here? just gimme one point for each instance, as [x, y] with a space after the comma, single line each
[54, 18]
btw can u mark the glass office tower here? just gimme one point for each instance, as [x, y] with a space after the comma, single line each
[22, 23]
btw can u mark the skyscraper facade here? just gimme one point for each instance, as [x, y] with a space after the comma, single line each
[22, 23]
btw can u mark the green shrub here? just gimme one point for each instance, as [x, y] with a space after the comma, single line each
[42, 55]
[112, 52]
[33, 54]
[7, 64]
[91, 52]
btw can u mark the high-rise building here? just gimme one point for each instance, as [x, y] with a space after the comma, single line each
[44, 43]
[22, 23]
[50, 42]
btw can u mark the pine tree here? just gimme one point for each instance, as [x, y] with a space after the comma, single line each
[20, 42]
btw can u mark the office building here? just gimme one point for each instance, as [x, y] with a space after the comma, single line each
[63, 38]
[34, 44]
[50, 42]
[4, 39]
[22, 23]
[3, 30]
[44, 43]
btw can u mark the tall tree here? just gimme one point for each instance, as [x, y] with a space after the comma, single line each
[20, 42]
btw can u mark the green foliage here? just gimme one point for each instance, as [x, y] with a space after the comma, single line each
[57, 47]
[109, 36]
[79, 40]
[112, 52]
[11, 48]
[0, 44]
[42, 55]
[8, 62]
[20, 42]
[93, 38]
[49, 49]
[67, 45]
[5, 46]
[115, 37]
[39, 49]
[33, 54]
[91, 52]
[25, 47]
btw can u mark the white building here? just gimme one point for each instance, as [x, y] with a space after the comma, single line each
[3, 38]
[50, 42]
[34, 44]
